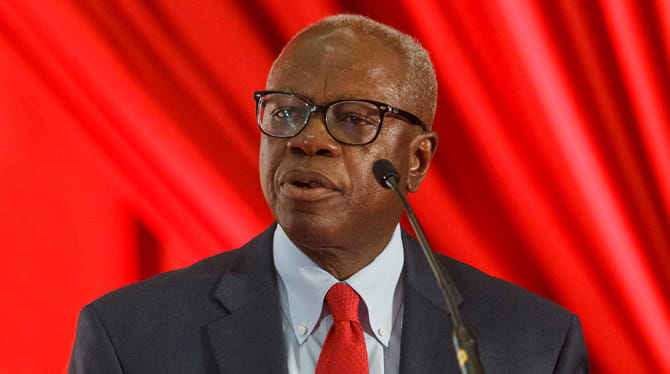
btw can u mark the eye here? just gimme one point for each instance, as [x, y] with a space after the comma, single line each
[284, 113]
[355, 115]
[356, 120]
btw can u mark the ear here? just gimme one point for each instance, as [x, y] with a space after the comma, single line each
[422, 150]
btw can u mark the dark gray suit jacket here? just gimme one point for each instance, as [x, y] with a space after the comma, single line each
[222, 315]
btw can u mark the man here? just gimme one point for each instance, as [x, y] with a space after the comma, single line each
[343, 93]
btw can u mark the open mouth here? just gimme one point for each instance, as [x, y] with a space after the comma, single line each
[306, 179]
[307, 184]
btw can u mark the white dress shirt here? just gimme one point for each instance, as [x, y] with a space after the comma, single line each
[302, 289]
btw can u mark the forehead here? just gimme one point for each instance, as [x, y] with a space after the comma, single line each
[342, 63]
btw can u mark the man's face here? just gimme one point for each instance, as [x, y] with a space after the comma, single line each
[323, 193]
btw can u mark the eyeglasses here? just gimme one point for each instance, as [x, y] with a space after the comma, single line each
[355, 122]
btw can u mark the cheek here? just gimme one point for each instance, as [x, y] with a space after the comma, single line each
[365, 188]
[397, 151]
[268, 160]
[392, 145]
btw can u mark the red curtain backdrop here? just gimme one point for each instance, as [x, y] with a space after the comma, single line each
[128, 147]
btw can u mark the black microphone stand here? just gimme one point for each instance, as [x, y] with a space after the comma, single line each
[465, 344]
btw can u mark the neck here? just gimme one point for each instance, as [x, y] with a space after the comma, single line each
[344, 261]
[338, 262]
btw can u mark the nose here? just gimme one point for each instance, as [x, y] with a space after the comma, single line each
[314, 139]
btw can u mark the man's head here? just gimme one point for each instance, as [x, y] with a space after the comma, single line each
[321, 191]
[419, 85]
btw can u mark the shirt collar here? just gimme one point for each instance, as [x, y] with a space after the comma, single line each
[305, 285]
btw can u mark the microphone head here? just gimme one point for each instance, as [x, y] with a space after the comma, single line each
[384, 170]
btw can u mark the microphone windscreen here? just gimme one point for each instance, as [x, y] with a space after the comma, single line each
[384, 170]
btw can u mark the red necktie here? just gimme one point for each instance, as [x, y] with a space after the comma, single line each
[344, 349]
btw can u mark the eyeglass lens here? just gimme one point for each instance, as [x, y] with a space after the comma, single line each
[351, 122]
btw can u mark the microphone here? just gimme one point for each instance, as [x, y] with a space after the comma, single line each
[465, 345]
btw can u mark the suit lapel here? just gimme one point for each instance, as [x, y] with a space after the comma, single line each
[426, 330]
[249, 338]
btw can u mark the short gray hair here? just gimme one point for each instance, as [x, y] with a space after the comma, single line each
[420, 86]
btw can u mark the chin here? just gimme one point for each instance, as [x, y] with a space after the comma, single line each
[308, 230]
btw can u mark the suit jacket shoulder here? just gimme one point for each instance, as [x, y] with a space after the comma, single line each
[214, 314]
[516, 330]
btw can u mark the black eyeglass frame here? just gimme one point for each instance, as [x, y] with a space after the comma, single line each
[382, 107]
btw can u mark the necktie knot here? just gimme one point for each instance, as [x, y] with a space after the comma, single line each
[343, 301]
